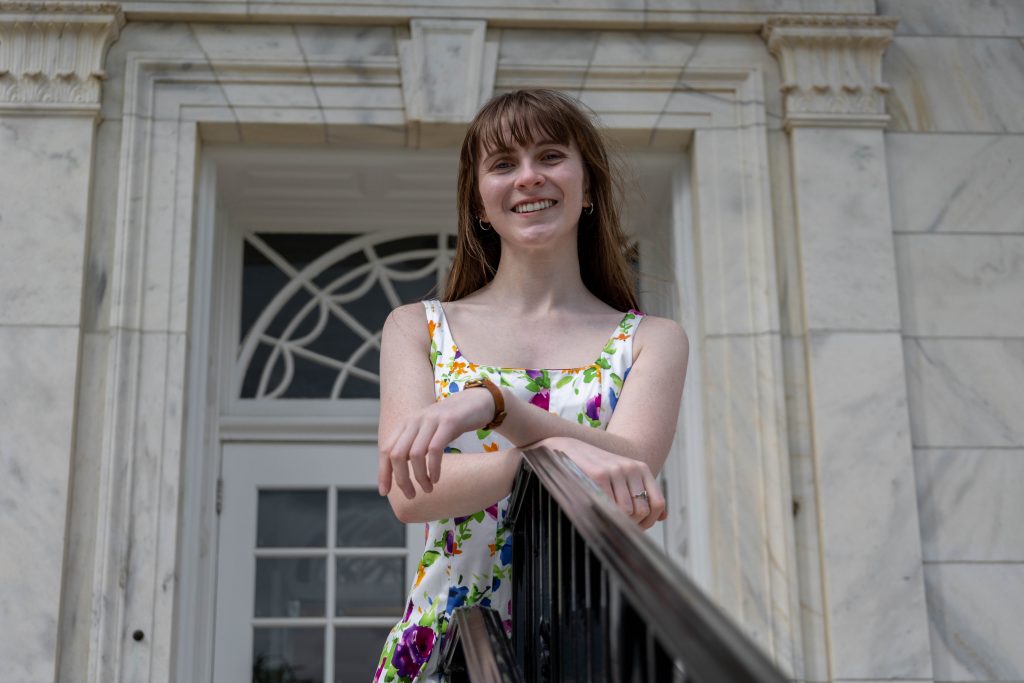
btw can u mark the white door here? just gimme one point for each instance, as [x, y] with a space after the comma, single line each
[314, 567]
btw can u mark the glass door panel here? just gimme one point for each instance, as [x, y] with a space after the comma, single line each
[313, 565]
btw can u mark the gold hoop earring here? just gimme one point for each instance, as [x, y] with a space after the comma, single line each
[483, 226]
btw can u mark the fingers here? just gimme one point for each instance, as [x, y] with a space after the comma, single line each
[622, 495]
[400, 462]
[641, 504]
[383, 474]
[418, 456]
[434, 452]
[656, 508]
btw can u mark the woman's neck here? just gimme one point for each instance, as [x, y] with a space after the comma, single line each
[534, 283]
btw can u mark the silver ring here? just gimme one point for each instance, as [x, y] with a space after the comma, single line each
[642, 494]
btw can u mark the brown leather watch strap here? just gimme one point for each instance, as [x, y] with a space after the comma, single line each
[499, 400]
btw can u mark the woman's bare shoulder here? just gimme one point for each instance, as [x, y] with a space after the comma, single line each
[661, 335]
[408, 321]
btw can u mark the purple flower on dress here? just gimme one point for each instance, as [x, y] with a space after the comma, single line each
[413, 650]
[408, 611]
[492, 511]
[449, 542]
[534, 374]
[594, 407]
[542, 399]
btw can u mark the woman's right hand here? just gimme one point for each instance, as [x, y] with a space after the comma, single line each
[618, 476]
[417, 442]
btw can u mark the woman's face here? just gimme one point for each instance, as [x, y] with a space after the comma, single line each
[533, 195]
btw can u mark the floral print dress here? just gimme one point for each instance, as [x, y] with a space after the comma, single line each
[468, 560]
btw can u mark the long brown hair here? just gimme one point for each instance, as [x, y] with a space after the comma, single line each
[526, 116]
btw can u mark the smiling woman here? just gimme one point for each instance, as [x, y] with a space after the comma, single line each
[544, 305]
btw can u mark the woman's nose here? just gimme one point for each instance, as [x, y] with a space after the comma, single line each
[529, 176]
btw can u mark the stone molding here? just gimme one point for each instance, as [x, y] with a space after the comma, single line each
[51, 55]
[447, 69]
[831, 68]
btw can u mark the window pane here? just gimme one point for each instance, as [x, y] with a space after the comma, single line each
[292, 519]
[313, 306]
[292, 655]
[357, 652]
[290, 587]
[370, 586]
[365, 519]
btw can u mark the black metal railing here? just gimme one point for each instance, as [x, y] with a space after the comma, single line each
[595, 600]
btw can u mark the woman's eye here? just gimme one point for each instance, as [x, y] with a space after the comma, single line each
[501, 165]
[548, 156]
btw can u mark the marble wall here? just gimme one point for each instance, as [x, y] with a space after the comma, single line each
[918, 390]
[955, 151]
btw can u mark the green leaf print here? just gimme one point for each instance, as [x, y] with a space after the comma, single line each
[589, 373]
[580, 418]
[617, 381]
[483, 433]
[609, 347]
[429, 557]
[603, 362]
[562, 382]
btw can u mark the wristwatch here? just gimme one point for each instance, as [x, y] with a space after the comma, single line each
[499, 400]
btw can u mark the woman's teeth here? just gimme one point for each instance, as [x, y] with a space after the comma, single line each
[533, 206]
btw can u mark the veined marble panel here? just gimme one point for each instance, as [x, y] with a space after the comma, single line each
[978, 193]
[519, 46]
[846, 249]
[338, 44]
[871, 540]
[975, 615]
[956, 17]
[42, 218]
[37, 371]
[970, 504]
[266, 43]
[965, 392]
[955, 84]
[961, 285]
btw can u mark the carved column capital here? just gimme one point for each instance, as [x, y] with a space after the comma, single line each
[831, 68]
[51, 55]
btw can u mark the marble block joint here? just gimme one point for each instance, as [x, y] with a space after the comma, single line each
[51, 55]
[831, 68]
[447, 69]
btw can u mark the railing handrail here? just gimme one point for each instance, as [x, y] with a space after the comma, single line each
[687, 624]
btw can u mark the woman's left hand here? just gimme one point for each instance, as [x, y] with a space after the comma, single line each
[629, 483]
[419, 440]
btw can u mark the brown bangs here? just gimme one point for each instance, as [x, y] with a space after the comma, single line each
[519, 121]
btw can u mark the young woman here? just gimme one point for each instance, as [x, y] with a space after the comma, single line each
[532, 345]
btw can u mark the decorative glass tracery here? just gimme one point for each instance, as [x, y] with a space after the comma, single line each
[313, 306]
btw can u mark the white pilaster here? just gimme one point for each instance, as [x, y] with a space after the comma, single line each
[50, 71]
[872, 601]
